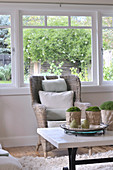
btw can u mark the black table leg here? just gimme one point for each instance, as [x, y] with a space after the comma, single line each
[72, 156]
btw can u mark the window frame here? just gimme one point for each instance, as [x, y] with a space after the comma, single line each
[17, 9]
[109, 14]
[12, 84]
[93, 39]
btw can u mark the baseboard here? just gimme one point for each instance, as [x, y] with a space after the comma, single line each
[19, 141]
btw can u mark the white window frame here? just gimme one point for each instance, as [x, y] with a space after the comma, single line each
[93, 28]
[105, 27]
[17, 9]
[12, 84]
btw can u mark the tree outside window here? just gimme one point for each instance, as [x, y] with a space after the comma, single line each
[58, 50]
[107, 31]
[5, 49]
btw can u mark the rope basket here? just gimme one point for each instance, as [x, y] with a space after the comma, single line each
[70, 116]
[94, 118]
[107, 118]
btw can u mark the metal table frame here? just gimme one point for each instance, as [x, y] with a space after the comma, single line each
[73, 162]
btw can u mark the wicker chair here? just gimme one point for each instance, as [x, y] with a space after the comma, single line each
[73, 83]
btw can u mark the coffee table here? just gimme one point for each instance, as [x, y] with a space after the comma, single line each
[59, 139]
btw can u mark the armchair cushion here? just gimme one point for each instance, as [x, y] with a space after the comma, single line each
[54, 85]
[51, 124]
[57, 100]
[56, 114]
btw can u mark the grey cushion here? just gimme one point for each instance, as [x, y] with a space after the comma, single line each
[57, 100]
[56, 114]
[51, 124]
[54, 85]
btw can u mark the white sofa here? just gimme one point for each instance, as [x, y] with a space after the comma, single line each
[8, 162]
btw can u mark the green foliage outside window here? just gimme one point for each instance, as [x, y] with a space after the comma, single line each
[55, 45]
[82, 75]
[55, 69]
[108, 73]
[5, 49]
[5, 73]
[108, 47]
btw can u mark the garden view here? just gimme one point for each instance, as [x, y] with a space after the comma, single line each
[57, 49]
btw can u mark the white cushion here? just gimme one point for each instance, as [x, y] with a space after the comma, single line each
[57, 100]
[54, 85]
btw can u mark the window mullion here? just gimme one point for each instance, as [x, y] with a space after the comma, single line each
[94, 51]
[45, 21]
[18, 52]
[99, 48]
[69, 21]
[12, 50]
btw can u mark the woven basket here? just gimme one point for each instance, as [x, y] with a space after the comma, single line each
[107, 118]
[70, 116]
[94, 118]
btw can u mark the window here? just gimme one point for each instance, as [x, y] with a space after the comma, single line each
[5, 49]
[57, 45]
[107, 35]
[48, 39]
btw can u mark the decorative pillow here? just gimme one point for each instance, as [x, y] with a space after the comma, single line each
[57, 100]
[54, 85]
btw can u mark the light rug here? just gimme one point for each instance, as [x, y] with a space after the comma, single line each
[57, 163]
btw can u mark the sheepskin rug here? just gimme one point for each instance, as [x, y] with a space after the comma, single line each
[57, 163]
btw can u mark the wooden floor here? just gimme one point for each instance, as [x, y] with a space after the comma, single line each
[31, 151]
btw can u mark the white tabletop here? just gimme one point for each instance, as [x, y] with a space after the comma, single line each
[59, 139]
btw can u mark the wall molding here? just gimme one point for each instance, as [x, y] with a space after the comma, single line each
[18, 141]
[73, 2]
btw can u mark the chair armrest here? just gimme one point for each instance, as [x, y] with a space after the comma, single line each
[83, 106]
[40, 112]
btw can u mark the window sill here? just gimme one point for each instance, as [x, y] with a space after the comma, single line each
[14, 91]
[94, 89]
[26, 90]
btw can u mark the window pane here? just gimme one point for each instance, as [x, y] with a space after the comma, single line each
[57, 21]
[5, 56]
[81, 21]
[5, 20]
[107, 21]
[108, 54]
[57, 51]
[33, 20]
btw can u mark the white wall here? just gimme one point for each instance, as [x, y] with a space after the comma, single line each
[17, 120]
[97, 98]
